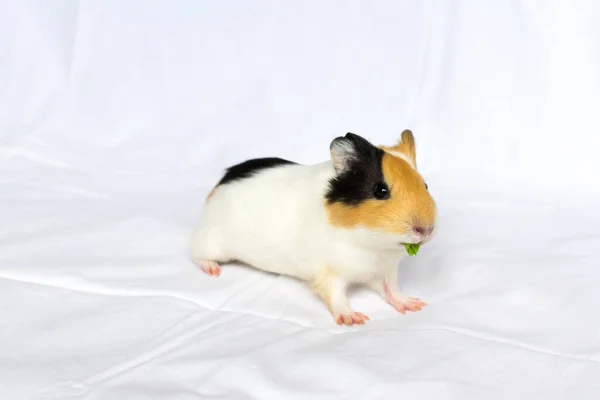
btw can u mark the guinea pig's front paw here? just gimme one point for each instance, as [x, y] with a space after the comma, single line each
[403, 304]
[351, 318]
[210, 267]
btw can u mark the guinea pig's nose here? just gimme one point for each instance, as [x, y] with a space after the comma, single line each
[422, 230]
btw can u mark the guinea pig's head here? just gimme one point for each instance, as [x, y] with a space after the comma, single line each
[378, 193]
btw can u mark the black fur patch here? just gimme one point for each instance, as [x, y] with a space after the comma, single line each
[355, 185]
[248, 168]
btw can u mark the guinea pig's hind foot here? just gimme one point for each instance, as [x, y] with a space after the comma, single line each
[211, 268]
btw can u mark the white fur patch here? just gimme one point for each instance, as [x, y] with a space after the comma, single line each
[339, 301]
[401, 156]
[277, 221]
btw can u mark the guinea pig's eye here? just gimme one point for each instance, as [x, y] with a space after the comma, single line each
[381, 191]
[426, 187]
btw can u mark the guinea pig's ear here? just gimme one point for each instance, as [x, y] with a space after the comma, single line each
[406, 145]
[348, 149]
[343, 150]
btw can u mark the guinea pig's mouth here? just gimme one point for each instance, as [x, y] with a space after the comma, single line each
[420, 241]
[407, 243]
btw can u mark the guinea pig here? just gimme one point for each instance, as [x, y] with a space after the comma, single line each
[341, 222]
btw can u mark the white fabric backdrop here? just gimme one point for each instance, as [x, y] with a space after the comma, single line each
[117, 117]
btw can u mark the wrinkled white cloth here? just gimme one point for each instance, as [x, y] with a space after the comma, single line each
[117, 118]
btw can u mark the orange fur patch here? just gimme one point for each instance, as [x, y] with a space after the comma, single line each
[410, 203]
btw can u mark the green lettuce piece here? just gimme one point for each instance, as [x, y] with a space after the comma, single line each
[412, 249]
